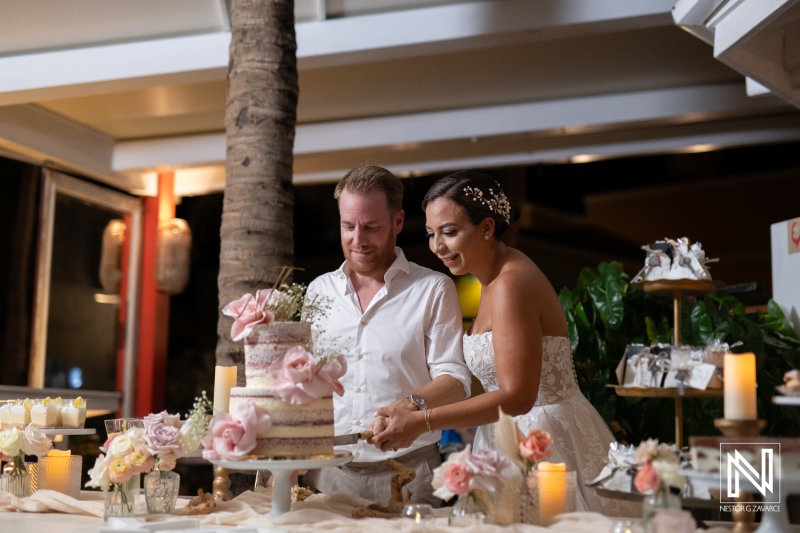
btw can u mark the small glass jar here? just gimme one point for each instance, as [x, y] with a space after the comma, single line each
[161, 491]
[660, 499]
[470, 510]
[118, 500]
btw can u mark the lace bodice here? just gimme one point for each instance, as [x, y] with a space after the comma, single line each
[558, 372]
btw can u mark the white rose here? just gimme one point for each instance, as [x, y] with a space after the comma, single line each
[11, 441]
[120, 446]
[35, 442]
[98, 475]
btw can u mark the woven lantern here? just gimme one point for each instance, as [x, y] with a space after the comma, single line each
[111, 256]
[173, 259]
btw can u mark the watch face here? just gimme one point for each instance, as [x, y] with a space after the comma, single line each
[418, 400]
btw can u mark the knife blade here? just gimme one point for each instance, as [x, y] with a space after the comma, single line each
[352, 438]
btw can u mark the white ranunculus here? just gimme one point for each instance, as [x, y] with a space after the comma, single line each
[120, 446]
[11, 441]
[35, 442]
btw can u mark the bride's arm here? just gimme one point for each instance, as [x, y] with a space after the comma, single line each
[517, 342]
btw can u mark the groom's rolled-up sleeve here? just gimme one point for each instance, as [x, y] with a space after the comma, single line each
[443, 334]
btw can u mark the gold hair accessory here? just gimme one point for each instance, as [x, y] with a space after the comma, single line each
[495, 201]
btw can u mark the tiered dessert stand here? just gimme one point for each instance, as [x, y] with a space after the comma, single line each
[281, 470]
[677, 289]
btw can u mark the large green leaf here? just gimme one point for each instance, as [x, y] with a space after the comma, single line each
[572, 330]
[652, 330]
[701, 323]
[607, 299]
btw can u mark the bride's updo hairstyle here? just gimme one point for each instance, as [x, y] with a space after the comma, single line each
[479, 195]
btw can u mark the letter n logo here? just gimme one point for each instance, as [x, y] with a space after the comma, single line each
[747, 473]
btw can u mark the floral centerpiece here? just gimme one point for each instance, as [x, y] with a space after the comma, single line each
[15, 444]
[526, 452]
[470, 475]
[659, 469]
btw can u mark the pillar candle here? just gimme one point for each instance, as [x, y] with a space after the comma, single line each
[224, 381]
[552, 489]
[739, 373]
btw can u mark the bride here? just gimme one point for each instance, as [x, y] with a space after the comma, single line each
[517, 346]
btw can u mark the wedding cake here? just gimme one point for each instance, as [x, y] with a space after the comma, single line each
[285, 381]
[674, 259]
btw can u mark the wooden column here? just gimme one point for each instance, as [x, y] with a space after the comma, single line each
[154, 305]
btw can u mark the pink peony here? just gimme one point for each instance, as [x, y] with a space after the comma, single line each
[299, 365]
[534, 446]
[487, 468]
[456, 479]
[249, 311]
[647, 479]
[232, 436]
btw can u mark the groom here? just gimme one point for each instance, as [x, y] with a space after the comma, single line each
[399, 326]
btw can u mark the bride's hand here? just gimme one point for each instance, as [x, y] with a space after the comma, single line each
[402, 429]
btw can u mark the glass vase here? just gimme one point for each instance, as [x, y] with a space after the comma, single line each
[469, 510]
[161, 491]
[118, 500]
[660, 499]
[16, 484]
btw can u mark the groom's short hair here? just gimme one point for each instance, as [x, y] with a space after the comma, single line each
[366, 178]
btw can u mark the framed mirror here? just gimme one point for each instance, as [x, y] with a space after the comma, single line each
[85, 320]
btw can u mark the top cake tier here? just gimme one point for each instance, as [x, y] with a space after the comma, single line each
[268, 344]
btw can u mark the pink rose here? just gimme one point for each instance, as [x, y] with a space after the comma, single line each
[331, 371]
[232, 436]
[164, 418]
[456, 479]
[162, 439]
[534, 446]
[647, 479]
[247, 312]
[299, 365]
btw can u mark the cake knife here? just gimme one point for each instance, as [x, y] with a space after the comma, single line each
[352, 438]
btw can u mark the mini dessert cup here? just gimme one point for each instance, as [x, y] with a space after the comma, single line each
[20, 413]
[73, 414]
[44, 414]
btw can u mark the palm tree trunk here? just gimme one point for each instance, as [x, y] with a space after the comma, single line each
[256, 232]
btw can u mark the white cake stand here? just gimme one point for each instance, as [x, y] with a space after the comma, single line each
[281, 470]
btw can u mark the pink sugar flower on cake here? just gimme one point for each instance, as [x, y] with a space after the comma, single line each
[303, 380]
[232, 436]
[249, 311]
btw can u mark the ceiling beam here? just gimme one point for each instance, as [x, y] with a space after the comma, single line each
[136, 65]
[561, 117]
[112, 68]
[46, 138]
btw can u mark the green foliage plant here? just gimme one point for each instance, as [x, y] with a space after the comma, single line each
[605, 313]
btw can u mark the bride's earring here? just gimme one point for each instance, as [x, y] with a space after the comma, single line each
[486, 236]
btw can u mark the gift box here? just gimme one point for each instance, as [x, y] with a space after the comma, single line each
[644, 366]
[620, 469]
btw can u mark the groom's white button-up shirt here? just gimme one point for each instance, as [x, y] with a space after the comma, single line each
[409, 335]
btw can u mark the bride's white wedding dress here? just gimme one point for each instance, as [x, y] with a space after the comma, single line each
[580, 436]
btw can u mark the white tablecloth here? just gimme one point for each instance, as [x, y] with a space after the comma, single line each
[48, 511]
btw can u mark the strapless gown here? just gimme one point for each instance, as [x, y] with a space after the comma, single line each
[581, 437]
